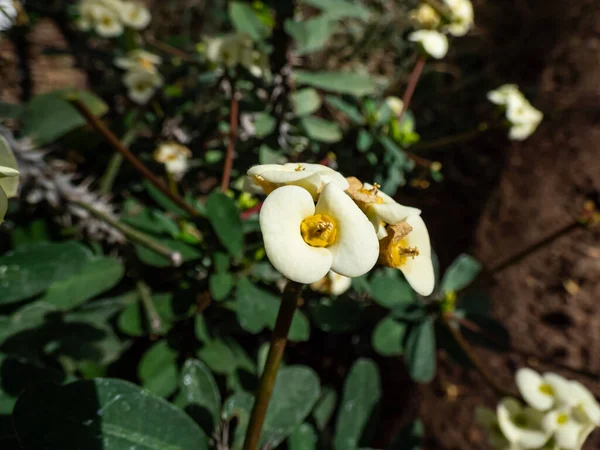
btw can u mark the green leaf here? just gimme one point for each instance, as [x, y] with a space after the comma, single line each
[238, 406]
[305, 101]
[157, 369]
[29, 270]
[9, 185]
[303, 438]
[95, 277]
[150, 257]
[199, 395]
[50, 116]
[360, 398]
[221, 262]
[225, 356]
[324, 408]
[341, 315]
[257, 309]
[113, 414]
[220, 285]
[341, 9]
[150, 220]
[463, 270]
[388, 336]
[390, 291]
[11, 110]
[311, 34]
[364, 141]
[348, 109]
[420, 351]
[266, 155]
[295, 393]
[321, 130]
[264, 124]
[162, 200]
[245, 20]
[225, 219]
[341, 82]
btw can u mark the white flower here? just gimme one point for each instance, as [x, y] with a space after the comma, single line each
[305, 242]
[407, 248]
[141, 85]
[107, 22]
[586, 408]
[135, 15]
[332, 284]
[425, 17]
[8, 16]
[395, 104]
[489, 421]
[255, 61]
[564, 428]
[227, 50]
[139, 60]
[312, 177]
[433, 42]
[502, 94]
[524, 118]
[9, 176]
[542, 392]
[175, 158]
[462, 17]
[521, 426]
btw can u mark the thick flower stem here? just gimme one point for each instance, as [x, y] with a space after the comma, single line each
[466, 347]
[233, 129]
[412, 84]
[114, 141]
[152, 314]
[289, 302]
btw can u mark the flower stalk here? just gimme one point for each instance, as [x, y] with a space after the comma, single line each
[289, 302]
[233, 129]
[412, 84]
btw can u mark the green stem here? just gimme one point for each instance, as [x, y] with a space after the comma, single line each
[112, 170]
[454, 139]
[134, 235]
[289, 302]
[154, 319]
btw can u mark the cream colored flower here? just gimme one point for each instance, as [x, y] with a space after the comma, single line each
[305, 242]
[107, 22]
[524, 118]
[255, 61]
[489, 422]
[135, 15]
[502, 94]
[407, 247]
[433, 42]
[312, 177]
[395, 104]
[425, 17]
[87, 10]
[462, 17]
[542, 392]
[8, 14]
[9, 176]
[175, 158]
[139, 60]
[584, 404]
[141, 85]
[521, 426]
[332, 284]
[227, 50]
[564, 428]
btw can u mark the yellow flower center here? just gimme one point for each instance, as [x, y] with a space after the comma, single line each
[107, 21]
[318, 230]
[146, 63]
[299, 168]
[267, 186]
[561, 419]
[400, 252]
[546, 389]
[373, 191]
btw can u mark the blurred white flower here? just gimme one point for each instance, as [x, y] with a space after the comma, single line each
[502, 94]
[304, 242]
[141, 85]
[407, 247]
[425, 17]
[564, 428]
[227, 49]
[256, 62]
[87, 10]
[175, 158]
[9, 176]
[135, 15]
[523, 117]
[312, 177]
[433, 42]
[332, 284]
[489, 422]
[521, 426]
[542, 392]
[462, 17]
[395, 104]
[107, 22]
[139, 60]
[8, 14]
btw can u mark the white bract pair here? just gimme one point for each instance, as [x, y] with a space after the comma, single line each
[560, 414]
[141, 77]
[523, 117]
[108, 18]
[236, 48]
[9, 176]
[175, 157]
[342, 231]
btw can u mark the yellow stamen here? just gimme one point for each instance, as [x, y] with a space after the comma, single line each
[400, 252]
[318, 230]
[546, 389]
[561, 419]
[299, 168]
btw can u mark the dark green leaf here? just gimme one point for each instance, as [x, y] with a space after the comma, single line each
[221, 262]
[157, 369]
[303, 438]
[364, 141]
[162, 200]
[463, 270]
[311, 34]
[238, 406]
[390, 291]
[305, 101]
[220, 285]
[225, 219]
[341, 9]
[11, 110]
[338, 316]
[95, 277]
[321, 130]
[150, 257]
[112, 414]
[360, 398]
[420, 351]
[347, 108]
[342, 82]
[264, 124]
[324, 408]
[245, 20]
[266, 155]
[199, 395]
[388, 336]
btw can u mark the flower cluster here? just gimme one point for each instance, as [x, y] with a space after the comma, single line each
[108, 18]
[523, 117]
[175, 158]
[141, 74]
[456, 19]
[560, 414]
[9, 176]
[236, 48]
[352, 226]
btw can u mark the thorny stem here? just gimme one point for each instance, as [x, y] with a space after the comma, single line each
[102, 129]
[233, 126]
[454, 139]
[412, 84]
[134, 235]
[466, 347]
[472, 326]
[154, 319]
[289, 301]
